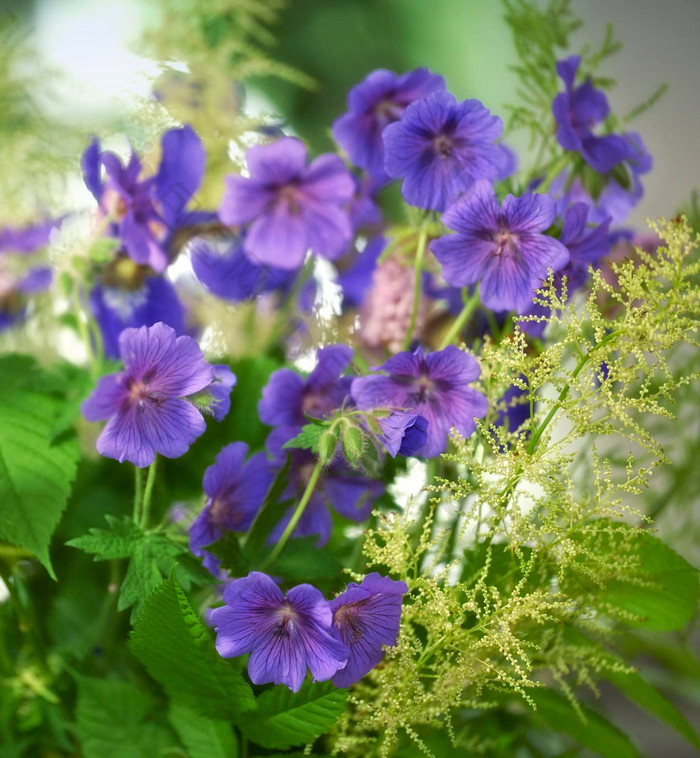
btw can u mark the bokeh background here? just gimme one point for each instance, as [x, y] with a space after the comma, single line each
[338, 41]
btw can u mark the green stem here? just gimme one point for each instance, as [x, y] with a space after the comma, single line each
[148, 493]
[138, 494]
[298, 513]
[417, 271]
[470, 305]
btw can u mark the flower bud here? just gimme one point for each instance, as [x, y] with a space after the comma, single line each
[353, 443]
[327, 445]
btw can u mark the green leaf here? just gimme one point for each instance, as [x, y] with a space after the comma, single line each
[309, 438]
[663, 594]
[203, 737]
[119, 541]
[35, 473]
[151, 557]
[176, 649]
[111, 721]
[650, 699]
[555, 712]
[286, 719]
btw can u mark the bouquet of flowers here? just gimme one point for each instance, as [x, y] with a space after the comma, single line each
[351, 453]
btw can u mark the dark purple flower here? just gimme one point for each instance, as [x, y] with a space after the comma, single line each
[291, 207]
[374, 103]
[348, 493]
[441, 147]
[403, 433]
[145, 213]
[283, 634]
[356, 279]
[27, 239]
[235, 490]
[365, 618]
[586, 246]
[504, 249]
[576, 111]
[288, 396]
[145, 403]
[434, 386]
[227, 272]
[143, 299]
[363, 209]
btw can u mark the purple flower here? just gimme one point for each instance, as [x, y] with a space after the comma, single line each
[586, 246]
[516, 411]
[283, 634]
[403, 433]
[350, 494]
[434, 386]
[617, 201]
[287, 396]
[374, 103]
[365, 618]
[145, 403]
[144, 213]
[227, 272]
[441, 147]
[235, 491]
[363, 209]
[129, 300]
[290, 207]
[502, 248]
[576, 111]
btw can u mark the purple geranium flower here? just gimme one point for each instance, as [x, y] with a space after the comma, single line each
[403, 433]
[374, 103]
[617, 201]
[220, 391]
[347, 492]
[129, 300]
[502, 248]
[227, 272]
[291, 207]
[236, 489]
[576, 111]
[586, 246]
[434, 386]
[440, 147]
[145, 403]
[283, 634]
[365, 618]
[145, 213]
[287, 396]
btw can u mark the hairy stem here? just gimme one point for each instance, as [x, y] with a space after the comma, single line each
[138, 494]
[148, 493]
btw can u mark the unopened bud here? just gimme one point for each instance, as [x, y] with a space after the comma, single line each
[352, 444]
[327, 445]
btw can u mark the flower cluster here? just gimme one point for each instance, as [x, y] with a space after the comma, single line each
[340, 640]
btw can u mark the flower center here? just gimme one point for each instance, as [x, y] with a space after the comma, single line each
[285, 618]
[387, 111]
[506, 242]
[347, 618]
[289, 195]
[443, 145]
[140, 393]
[424, 388]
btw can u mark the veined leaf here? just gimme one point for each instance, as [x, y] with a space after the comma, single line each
[203, 737]
[35, 473]
[177, 650]
[651, 700]
[286, 719]
[595, 733]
